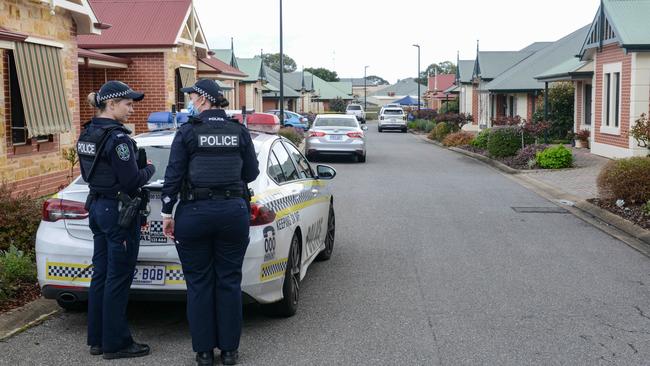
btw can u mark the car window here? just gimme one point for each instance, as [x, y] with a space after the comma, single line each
[286, 164]
[336, 122]
[303, 165]
[354, 107]
[274, 171]
[393, 112]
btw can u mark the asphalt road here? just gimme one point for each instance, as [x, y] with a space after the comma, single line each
[431, 266]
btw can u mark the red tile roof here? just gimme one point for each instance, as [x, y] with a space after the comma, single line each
[222, 67]
[137, 23]
[441, 83]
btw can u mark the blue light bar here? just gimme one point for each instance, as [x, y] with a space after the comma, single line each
[165, 120]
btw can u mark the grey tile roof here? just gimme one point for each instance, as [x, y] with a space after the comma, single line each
[273, 78]
[536, 46]
[295, 80]
[492, 63]
[630, 19]
[402, 88]
[563, 70]
[466, 68]
[522, 75]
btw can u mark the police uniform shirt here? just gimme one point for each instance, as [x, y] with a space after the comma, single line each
[120, 152]
[179, 156]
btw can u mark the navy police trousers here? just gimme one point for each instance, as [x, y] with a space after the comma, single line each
[211, 239]
[114, 258]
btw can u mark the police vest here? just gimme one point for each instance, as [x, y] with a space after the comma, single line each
[88, 149]
[215, 155]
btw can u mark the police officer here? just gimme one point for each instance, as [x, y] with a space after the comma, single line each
[211, 159]
[107, 158]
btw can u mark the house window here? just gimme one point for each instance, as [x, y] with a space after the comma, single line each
[180, 96]
[18, 127]
[511, 110]
[611, 89]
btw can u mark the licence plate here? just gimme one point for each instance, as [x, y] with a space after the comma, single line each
[336, 137]
[149, 275]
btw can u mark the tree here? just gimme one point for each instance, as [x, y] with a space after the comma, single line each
[323, 73]
[445, 67]
[376, 80]
[272, 60]
[337, 105]
[560, 109]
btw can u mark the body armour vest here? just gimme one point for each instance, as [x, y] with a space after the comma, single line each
[89, 149]
[215, 155]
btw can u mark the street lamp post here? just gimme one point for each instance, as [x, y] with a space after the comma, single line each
[365, 93]
[416, 80]
[281, 71]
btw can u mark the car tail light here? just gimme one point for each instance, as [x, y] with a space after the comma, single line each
[316, 134]
[261, 215]
[357, 135]
[56, 209]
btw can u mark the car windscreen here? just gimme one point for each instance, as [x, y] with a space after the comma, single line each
[335, 122]
[393, 112]
[354, 108]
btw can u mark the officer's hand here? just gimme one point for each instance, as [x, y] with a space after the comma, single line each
[149, 162]
[168, 228]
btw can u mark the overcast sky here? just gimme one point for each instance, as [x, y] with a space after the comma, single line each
[344, 36]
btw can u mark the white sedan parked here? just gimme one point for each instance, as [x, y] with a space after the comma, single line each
[292, 224]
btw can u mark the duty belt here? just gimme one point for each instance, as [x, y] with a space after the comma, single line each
[212, 194]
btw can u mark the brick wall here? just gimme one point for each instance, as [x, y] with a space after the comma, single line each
[578, 107]
[36, 164]
[270, 103]
[145, 74]
[611, 54]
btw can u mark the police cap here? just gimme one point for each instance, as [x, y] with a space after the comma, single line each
[117, 89]
[207, 88]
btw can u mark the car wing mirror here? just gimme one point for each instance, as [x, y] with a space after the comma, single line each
[364, 127]
[325, 172]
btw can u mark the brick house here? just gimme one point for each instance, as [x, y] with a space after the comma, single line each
[154, 52]
[303, 82]
[252, 86]
[271, 94]
[464, 85]
[515, 91]
[616, 53]
[228, 78]
[39, 100]
[437, 86]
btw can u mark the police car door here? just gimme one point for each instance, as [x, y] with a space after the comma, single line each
[314, 203]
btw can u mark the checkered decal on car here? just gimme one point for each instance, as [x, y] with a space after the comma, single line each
[155, 227]
[84, 273]
[80, 273]
[282, 203]
[274, 269]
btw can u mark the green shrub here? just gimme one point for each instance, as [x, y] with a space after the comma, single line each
[292, 134]
[421, 124]
[626, 179]
[481, 140]
[429, 126]
[556, 157]
[506, 141]
[19, 220]
[440, 131]
[16, 266]
[458, 139]
[411, 125]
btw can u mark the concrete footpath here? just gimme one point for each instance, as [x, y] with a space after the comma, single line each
[20, 319]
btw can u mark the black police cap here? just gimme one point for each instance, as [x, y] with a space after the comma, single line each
[117, 89]
[207, 88]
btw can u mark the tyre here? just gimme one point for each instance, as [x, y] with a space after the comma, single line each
[361, 158]
[291, 286]
[379, 129]
[404, 130]
[326, 254]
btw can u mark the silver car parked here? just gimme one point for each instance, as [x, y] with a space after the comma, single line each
[336, 134]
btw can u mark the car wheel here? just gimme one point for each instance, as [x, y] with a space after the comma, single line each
[73, 305]
[379, 129]
[404, 130]
[326, 254]
[291, 286]
[361, 158]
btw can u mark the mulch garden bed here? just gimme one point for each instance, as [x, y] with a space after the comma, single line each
[507, 161]
[629, 212]
[26, 293]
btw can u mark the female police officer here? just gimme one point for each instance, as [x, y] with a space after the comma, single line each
[108, 163]
[211, 158]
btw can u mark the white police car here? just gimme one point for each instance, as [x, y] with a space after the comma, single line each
[292, 224]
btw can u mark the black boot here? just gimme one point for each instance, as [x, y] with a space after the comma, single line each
[230, 357]
[96, 350]
[205, 358]
[134, 350]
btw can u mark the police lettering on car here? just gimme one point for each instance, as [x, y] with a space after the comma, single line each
[107, 160]
[212, 159]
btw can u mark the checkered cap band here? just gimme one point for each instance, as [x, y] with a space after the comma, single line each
[204, 93]
[101, 98]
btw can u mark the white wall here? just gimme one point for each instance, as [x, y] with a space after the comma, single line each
[521, 105]
[465, 98]
[639, 93]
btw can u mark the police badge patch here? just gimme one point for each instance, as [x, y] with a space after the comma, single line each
[123, 152]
